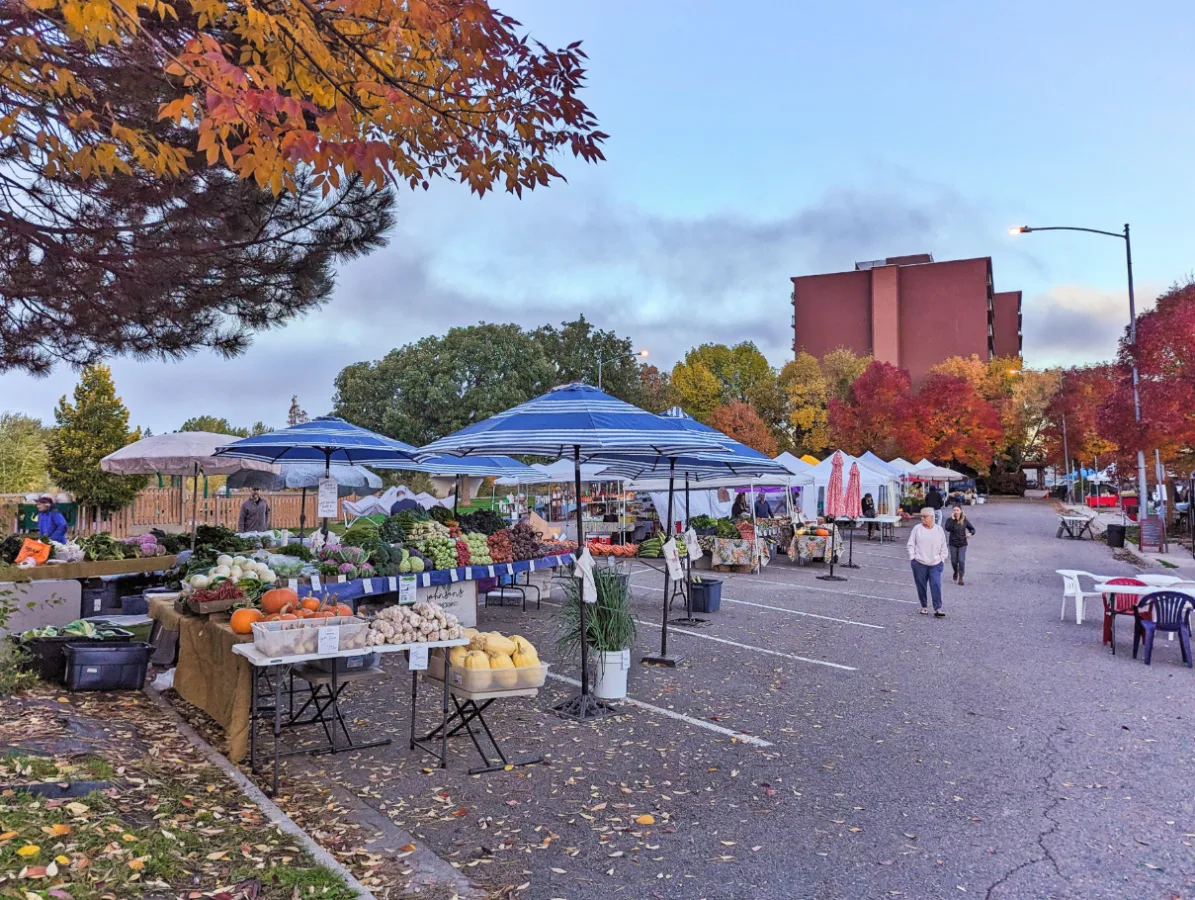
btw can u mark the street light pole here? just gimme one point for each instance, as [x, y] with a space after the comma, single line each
[600, 360]
[1142, 496]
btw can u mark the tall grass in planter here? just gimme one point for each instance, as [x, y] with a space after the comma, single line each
[609, 624]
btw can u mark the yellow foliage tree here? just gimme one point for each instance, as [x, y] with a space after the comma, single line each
[804, 389]
[696, 390]
[840, 368]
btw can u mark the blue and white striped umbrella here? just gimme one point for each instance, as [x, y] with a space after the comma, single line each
[327, 440]
[471, 466]
[578, 422]
[736, 459]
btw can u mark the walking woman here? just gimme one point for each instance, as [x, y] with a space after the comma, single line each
[957, 528]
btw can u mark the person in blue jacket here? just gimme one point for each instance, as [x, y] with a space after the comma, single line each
[50, 522]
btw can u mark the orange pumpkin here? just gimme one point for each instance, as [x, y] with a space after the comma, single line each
[276, 600]
[287, 617]
[322, 614]
[273, 617]
[821, 532]
[312, 603]
[243, 619]
[342, 609]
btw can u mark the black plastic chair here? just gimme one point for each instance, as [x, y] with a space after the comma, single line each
[1167, 611]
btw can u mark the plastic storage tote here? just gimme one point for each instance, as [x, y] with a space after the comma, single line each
[106, 665]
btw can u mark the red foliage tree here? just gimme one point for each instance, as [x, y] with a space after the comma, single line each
[880, 415]
[956, 423]
[1081, 394]
[741, 422]
[1165, 336]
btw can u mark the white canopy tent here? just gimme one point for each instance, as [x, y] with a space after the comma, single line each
[883, 486]
[902, 464]
[876, 463]
[794, 464]
[927, 470]
[704, 495]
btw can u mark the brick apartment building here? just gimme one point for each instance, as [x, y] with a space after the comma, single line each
[909, 311]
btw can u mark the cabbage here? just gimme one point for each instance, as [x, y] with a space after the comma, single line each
[199, 582]
[236, 572]
[222, 570]
[224, 560]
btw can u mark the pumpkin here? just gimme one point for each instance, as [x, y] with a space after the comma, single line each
[479, 664]
[524, 659]
[321, 614]
[821, 532]
[311, 603]
[287, 617]
[496, 643]
[242, 620]
[456, 655]
[522, 645]
[276, 600]
[342, 609]
[505, 675]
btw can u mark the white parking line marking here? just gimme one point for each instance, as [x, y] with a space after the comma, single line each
[809, 587]
[681, 717]
[794, 612]
[710, 637]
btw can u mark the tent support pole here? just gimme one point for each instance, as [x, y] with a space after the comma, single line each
[583, 706]
[663, 659]
[689, 620]
[194, 506]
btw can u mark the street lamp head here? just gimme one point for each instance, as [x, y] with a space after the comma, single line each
[1014, 371]
[643, 353]
[1020, 229]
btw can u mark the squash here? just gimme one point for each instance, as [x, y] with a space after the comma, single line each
[276, 600]
[456, 655]
[524, 659]
[478, 641]
[311, 603]
[496, 643]
[342, 609]
[242, 620]
[522, 644]
[505, 676]
[478, 665]
[821, 532]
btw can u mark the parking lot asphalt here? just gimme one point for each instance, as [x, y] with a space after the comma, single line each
[823, 739]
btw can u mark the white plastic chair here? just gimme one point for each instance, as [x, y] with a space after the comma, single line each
[1073, 590]
[1159, 580]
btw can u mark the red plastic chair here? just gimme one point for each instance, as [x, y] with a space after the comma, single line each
[1120, 605]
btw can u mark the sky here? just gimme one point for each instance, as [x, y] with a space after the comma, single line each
[755, 141]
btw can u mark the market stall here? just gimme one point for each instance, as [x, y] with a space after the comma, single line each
[884, 486]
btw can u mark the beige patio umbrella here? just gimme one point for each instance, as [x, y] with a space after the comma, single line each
[183, 453]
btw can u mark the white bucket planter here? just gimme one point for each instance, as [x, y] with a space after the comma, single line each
[612, 669]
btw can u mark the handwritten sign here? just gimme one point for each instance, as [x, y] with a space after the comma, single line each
[329, 639]
[326, 503]
[406, 588]
[672, 560]
[459, 598]
[315, 583]
[391, 584]
[1153, 534]
[417, 658]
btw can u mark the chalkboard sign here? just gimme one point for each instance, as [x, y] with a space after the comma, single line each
[1153, 534]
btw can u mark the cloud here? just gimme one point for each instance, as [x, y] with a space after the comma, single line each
[667, 282]
[1073, 324]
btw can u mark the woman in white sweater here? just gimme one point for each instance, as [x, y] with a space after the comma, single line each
[927, 555]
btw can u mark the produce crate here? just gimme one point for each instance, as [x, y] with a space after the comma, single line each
[207, 607]
[106, 665]
[301, 636]
[493, 680]
[47, 655]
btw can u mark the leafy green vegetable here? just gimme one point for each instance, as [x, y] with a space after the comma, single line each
[102, 546]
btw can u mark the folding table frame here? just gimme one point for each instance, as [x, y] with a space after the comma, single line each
[470, 708]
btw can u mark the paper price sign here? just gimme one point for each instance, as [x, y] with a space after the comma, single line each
[672, 560]
[692, 545]
[326, 499]
[315, 583]
[367, 585]
[329, 639]
[417, 660]
[406, 588]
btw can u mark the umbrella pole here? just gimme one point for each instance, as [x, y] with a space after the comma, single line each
[302, 513]
[327, 474]
[688, 619]
[194, 506]
[664, 659]
[456, 493]
[584, 706]
[850, 563]
[833, 555]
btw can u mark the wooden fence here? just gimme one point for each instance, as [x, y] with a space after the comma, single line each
[170, 510]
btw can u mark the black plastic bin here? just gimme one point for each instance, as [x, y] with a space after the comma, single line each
[1115, 535]
[707, 595]
[47, 655]
[107, 665]
[100, 598]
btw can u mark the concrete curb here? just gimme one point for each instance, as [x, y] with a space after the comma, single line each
[254, 793]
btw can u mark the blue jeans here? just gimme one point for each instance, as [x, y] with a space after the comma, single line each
[931, 574]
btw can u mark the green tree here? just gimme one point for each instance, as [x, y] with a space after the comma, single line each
[696, 389]
[575, 348]
[22, 454]
[296, 415]
[95, 425]
[655, 391]
[804, 389]
[213, 425]
[840, 369]
[438, 385]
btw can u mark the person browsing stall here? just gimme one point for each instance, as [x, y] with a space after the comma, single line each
[50, 522]
[255, 513]
[927, 555]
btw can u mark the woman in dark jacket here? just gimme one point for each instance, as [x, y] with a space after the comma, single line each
[957, 528]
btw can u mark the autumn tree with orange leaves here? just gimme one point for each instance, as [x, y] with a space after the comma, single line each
[171, 171]
[741, 422]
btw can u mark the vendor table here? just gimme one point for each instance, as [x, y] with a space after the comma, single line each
[471, 707]
[730, 552]
[274, 668]
[887, 525]
[808, 547]
[1075, 527]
